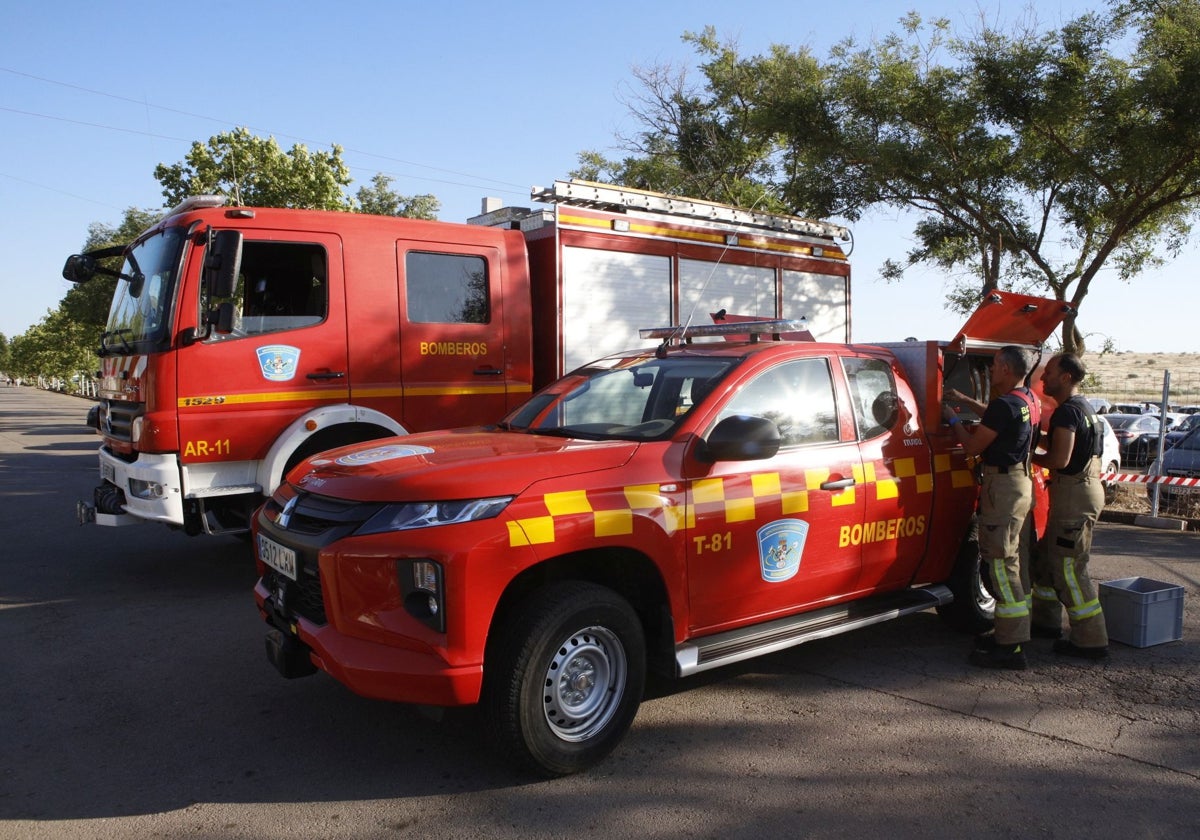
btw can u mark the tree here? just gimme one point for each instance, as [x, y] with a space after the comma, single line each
[256, 171]
[54, 347]
[1032, 160]
[380, 200]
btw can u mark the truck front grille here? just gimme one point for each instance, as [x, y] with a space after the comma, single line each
[116, 420]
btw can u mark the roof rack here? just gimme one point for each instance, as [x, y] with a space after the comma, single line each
[590, 194]
[754, 329]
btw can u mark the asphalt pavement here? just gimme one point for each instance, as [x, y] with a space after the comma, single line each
[136, 701]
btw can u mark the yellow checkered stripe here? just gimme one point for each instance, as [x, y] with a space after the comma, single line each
[647, 499]
[961, 474]
[618, 522]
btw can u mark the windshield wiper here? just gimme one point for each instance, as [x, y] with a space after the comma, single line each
[118, 333]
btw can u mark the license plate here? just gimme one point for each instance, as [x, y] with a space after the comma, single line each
[279, 557]
[108, 472]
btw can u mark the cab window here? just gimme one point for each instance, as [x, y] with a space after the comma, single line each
[873, 393]
[797, 396]
[281, 286]
[446, 288]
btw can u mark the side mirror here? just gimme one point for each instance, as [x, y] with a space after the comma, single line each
[741, 438]
[224, 325]
[79, 268]
[223, 263]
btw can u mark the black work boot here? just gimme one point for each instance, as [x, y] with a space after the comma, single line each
[1006, 657]
[1065, 647]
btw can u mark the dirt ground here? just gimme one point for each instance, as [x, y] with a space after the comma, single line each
[1137, 377]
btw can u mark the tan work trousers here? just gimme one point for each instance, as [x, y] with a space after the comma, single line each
[1060, 572]
[1005, 505]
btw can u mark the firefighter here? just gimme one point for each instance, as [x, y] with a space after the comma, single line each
[1060, 576]
[1004, 440]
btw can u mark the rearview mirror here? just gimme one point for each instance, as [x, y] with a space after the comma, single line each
[223, 263]
[79, 268]
[741, 438]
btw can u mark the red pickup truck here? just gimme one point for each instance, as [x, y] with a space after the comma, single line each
[678, 507]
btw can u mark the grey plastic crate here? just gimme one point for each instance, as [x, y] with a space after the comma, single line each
[1142, 612]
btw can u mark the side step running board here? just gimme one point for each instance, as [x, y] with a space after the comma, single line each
[747, 642]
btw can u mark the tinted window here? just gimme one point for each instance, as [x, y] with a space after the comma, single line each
[446, 288]
[873, 392]
[281, 286]
[797, 396]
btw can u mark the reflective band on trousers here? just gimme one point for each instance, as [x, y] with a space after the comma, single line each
[1006, 604]
[1078, 609]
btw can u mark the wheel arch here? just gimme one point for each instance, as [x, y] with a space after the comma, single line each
[320, 429]
[626, 571]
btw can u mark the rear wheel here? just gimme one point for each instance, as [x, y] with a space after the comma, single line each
[974, 607]
[564, 680]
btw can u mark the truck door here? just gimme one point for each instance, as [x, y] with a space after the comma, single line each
[768, 534]
[897, 480]
[286, 352]
[452, 342]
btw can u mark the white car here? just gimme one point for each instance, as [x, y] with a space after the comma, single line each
[1110, 460]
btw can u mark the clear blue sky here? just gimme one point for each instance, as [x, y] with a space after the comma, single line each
[459, 99]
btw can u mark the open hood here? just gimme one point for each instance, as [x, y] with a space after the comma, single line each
[1009, 318]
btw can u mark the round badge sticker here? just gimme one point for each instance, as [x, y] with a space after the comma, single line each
[381, 453]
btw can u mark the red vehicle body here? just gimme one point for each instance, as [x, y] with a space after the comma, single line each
[679, 509]
[242, 340]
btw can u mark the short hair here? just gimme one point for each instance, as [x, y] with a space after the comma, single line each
[1016, 358]
[1072, 366]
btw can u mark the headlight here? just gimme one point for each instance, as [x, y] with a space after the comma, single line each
[410, 515]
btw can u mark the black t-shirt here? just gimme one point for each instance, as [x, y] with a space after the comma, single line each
[1076, 414]
[1008, 416]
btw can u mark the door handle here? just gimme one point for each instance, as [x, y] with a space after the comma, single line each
[490, 371]
[837, 484]
[339, 374]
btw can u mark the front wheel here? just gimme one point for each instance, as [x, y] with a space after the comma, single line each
[564, 680]
[973, 609]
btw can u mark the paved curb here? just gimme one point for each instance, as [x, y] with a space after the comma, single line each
[1128, 517]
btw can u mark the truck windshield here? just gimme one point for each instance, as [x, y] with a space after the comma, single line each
[141, 308]
[622, 398]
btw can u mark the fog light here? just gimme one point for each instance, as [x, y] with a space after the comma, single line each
[145, 489]
[421, 587]
[425, 576]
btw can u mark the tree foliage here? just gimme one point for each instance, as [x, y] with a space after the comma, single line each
[1030, 159]
[380, 200]
[255, 171]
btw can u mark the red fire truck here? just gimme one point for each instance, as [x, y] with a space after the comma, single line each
[678, 508]
[242, 340]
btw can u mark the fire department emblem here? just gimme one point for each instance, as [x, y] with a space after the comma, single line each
[381, 453]
[278, 362]
[780, 547]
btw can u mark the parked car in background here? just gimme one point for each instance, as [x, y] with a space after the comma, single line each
[1180, 461]
[1110, 460]
[1178, 432]
[1172, 419]
[1129, 408]
[1137, 435]
[1099, 405]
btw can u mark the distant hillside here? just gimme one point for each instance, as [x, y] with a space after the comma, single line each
[1138, 377]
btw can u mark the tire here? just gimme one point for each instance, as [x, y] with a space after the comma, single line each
[974, 606]
[564, 680]
[1111, 488]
